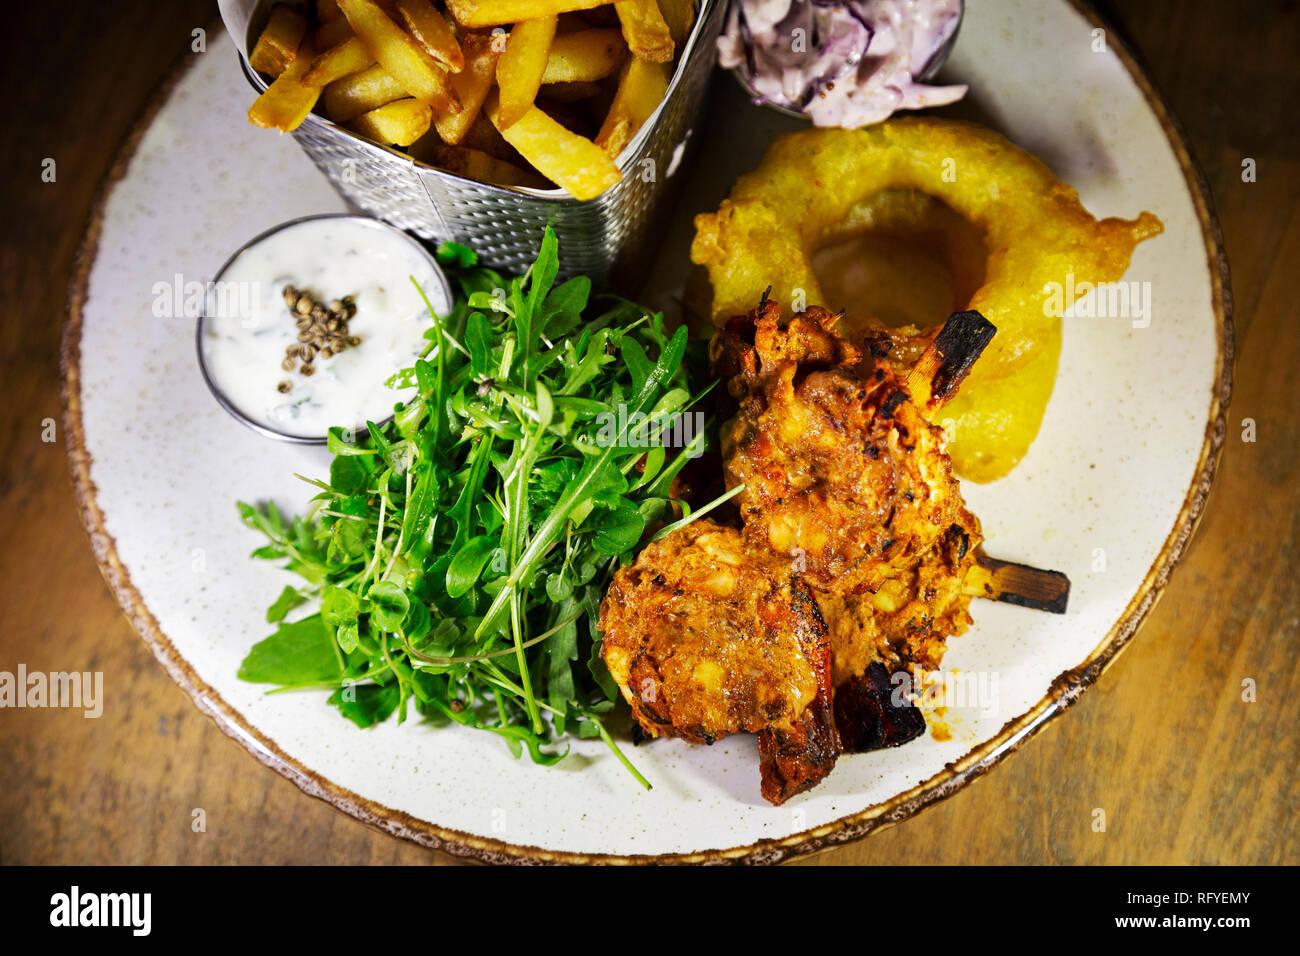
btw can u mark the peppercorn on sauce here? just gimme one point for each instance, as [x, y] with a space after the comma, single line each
[305, 326]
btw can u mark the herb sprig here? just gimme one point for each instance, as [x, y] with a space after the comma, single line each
[460, 551]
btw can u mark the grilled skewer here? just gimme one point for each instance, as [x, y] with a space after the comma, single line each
[944, 365]
[1017, 584]
[857, 557]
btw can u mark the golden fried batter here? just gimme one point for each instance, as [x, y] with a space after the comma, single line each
[815, 184]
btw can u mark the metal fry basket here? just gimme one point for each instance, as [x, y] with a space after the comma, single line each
[611, 238]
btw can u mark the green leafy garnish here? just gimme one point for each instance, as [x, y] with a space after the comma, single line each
[460, 552]
[297, 655]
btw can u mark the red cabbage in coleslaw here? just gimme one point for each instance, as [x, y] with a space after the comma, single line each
[848, 63]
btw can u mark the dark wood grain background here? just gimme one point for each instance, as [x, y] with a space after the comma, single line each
[1186, 771]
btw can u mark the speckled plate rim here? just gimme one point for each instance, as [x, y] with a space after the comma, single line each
[1063, 691]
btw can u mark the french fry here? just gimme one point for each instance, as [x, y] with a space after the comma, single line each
[433, 32]
[471, 86]
[641, 89]
[479, 166]
[401, 122]
[584, 56]
[288, 100]
[419, 75]
[567, 159]
[520, 69]
[360, 93]
[645, 30]
[279, 42]
[345, 59]
[399, 55]
[333, 33]
[680, 17]
[495, 13]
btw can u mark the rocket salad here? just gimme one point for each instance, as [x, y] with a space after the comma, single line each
[460, 552]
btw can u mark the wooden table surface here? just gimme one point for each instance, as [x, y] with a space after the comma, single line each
[1186, 771]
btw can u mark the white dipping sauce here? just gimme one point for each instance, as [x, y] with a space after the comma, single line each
[248, 325]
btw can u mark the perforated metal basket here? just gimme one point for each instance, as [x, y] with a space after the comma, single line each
[610, 238]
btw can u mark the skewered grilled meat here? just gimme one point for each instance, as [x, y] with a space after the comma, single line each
[909, 618]
[851, 565]
[708, 637]
[842, 474]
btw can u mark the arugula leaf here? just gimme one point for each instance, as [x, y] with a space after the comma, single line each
[348, 475]
[300, 653]
[367, 704]
[542, 275]
[568, 298]
[635, 358]
[469, 562]
[478, 339]
[618, 529]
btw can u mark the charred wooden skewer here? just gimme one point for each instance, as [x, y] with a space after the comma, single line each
[944, 365]
[1018, 584]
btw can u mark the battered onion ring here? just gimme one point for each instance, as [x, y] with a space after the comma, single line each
[1035, 232]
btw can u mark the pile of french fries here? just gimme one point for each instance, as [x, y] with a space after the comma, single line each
[511, 92]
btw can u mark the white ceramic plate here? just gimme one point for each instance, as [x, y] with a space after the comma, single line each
[1108, 494]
